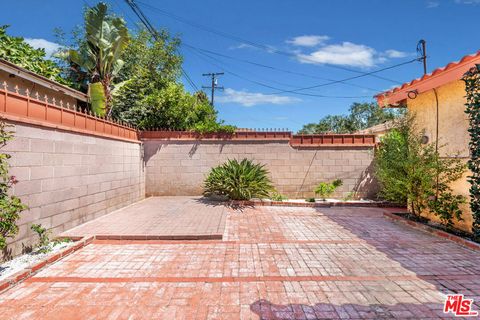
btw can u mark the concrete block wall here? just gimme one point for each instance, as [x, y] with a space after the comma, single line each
[178, 167]
[67, 178]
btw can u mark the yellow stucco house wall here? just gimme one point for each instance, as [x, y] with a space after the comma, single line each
[446, 121]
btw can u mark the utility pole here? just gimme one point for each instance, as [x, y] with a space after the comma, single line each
[213, 76]
[422, 50]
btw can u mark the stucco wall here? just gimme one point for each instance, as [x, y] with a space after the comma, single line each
[67, 179]
[179, 167]
[453, 134]
[33, 88]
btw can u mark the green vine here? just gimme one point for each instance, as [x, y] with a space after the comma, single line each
[472, 88]
[10, 206]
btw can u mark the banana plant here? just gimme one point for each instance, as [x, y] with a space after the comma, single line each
[99, 56]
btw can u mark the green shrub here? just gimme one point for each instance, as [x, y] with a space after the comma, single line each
[10, 206]
[472, 89]
[411, 172]
[238, 180]
[310, 200]
[275, 196]
[350, 196]
[325, 189]
[447, 207]
[43, 237]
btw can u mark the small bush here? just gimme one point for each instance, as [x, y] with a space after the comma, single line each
[325, 189]
[310, 200]
[447, 208]
[350, 196]
[10, 206]
[275, 196]
[242, 180]
[411, 172]
[43, 237]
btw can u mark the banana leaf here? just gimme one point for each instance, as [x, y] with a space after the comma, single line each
[98, 100]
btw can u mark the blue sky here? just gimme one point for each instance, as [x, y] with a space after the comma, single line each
[309, 40]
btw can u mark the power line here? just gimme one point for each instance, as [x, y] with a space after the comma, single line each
[139, 13]
[351, 78]
[274, 68]
[213, 62]
[252, 43]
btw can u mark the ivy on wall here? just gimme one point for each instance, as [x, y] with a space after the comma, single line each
[472, 88]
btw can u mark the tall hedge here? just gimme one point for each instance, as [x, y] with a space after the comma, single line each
[472, 88]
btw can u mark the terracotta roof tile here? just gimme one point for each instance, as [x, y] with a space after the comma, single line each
[440, 76]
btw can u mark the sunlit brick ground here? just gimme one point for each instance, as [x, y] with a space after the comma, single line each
[273, 263]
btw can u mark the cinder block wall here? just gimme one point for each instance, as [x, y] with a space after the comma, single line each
[178, 167]
[67, 179]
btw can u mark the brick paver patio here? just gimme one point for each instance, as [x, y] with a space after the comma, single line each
[273, 263]
[161, 218]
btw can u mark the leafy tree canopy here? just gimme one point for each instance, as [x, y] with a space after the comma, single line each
[361, 116]
[149, 95]
[17, 51]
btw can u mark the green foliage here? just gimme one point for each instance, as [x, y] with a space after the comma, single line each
[310, 200]
[43, 237]
[169, 107]
[149, 97]
[17, 51]
[238, 180]
[99, 54]
[62, 240]
[349, 196]
[447, 207]
[472, 88]
[325, 189]
[10, 206]
[361, 116]
[275, 196]
[410, 172]
[98, 101]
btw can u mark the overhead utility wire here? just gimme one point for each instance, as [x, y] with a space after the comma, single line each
[338, 81]
[139, 13]
[351, 78]
[252, 43]
[272, 87]
[275, 68]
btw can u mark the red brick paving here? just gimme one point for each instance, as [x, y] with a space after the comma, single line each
[273, 263]
[166, 217]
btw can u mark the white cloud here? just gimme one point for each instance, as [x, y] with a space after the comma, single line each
[396, 54]
[308, 40]
[268, 48]
[432, 4]
[467, 2]
[250, 99]
[50, 47]
[241, 46]
[346, 54]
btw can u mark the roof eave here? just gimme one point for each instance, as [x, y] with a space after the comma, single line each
[40, 80]
[452, 72]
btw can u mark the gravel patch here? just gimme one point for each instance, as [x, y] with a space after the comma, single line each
[29, 259]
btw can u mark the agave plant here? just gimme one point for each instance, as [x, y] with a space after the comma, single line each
[106, 38]
[242, 180]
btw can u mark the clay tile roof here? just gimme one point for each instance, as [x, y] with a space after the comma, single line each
[451, 72]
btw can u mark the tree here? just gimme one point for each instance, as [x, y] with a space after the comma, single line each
[149, 96]
[99, 55]
[171, 108]
[17, 51]
[361, 116]
[413, 173]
